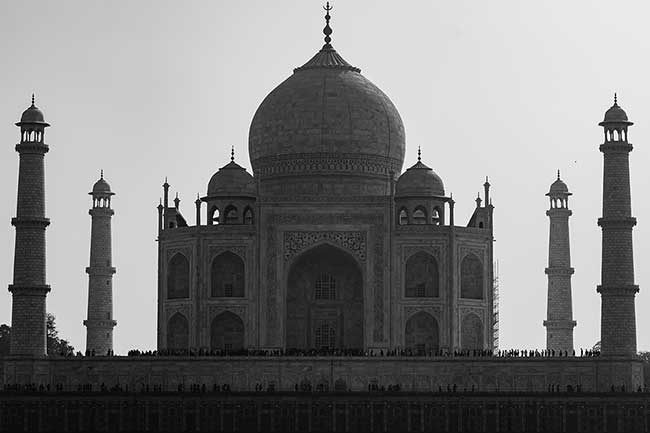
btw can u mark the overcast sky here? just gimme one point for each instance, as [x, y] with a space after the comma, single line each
[147, 89]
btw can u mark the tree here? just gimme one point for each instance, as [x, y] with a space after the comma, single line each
[55, 345]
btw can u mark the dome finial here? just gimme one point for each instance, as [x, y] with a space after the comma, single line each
[615, 99]
[33, 104]
[419, 154]
[101, 174]
[558, 175]
[232, 153]
[327, 30]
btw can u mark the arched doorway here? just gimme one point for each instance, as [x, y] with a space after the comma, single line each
[324, 300]
[227, 332]
[471, 332]
[421, 333]
[178, 333]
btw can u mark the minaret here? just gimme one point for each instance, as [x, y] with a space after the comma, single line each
[617, 289]
[559, 321]
[100, 323]
[29, 291]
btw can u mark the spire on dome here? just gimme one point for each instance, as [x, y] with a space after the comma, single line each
[327, 31]
[232, 153]
[419, 154]
[327, 57]
[33, 104]
[101, 174]
[615, 99]
[558, 172]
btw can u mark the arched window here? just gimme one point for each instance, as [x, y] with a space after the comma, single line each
[419, 216]
[213, 215]
[471, 277]
[325, 336]
[227, 332]
[231, 215]
[471, 332]
[421, 333]
[178, 277]
[325, 287]
[178, 332]
[436, 216]
[422, 280]
[227, 275]
[248, 216]
[403, 217]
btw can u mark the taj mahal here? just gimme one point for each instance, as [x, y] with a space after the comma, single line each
[329, 252]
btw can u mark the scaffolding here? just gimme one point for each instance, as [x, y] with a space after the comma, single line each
[495, 305]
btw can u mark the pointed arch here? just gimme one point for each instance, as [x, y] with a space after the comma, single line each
[248, 216]
[471, 332]
[422, 333]
[231, 216]
[178, 332]
[421, 276]
[213, 215]
[227, 332]
[471, 277]
[403, 217]
[436, 216]
[334, 320]
[227, 274]
[419, 215]
[178, 277]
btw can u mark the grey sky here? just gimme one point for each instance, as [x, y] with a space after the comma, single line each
[147, 89]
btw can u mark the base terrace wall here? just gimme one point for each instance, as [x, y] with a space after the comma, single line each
[411, 373]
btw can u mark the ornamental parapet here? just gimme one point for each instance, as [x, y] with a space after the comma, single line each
[101, 212]
[560, 324]
[30, 222]
[101, 270]
[618, 290]
[617, 222]
[559, 270]
[100, 323]
[616, 147]
[32, 148]
[559, 212]
[30, 290]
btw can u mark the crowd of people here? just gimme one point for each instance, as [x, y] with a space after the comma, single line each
[303, 387]
[437, 353]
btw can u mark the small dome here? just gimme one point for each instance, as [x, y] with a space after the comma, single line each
[615, 114]
[232, 180]
[33, 114]
[558, 187]
[419, 181]
[101, 186]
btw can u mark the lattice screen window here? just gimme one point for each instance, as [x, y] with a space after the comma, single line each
[325, 336]
[325, 287]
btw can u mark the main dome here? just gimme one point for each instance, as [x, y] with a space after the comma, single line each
[326, 125]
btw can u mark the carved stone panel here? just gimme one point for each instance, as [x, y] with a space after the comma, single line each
[215, 250]
[298, 241]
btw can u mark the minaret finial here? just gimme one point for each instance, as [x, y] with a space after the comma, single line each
[33, 99]
[327, 30]
[419, 154]
[232, 153]
[615, 99]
